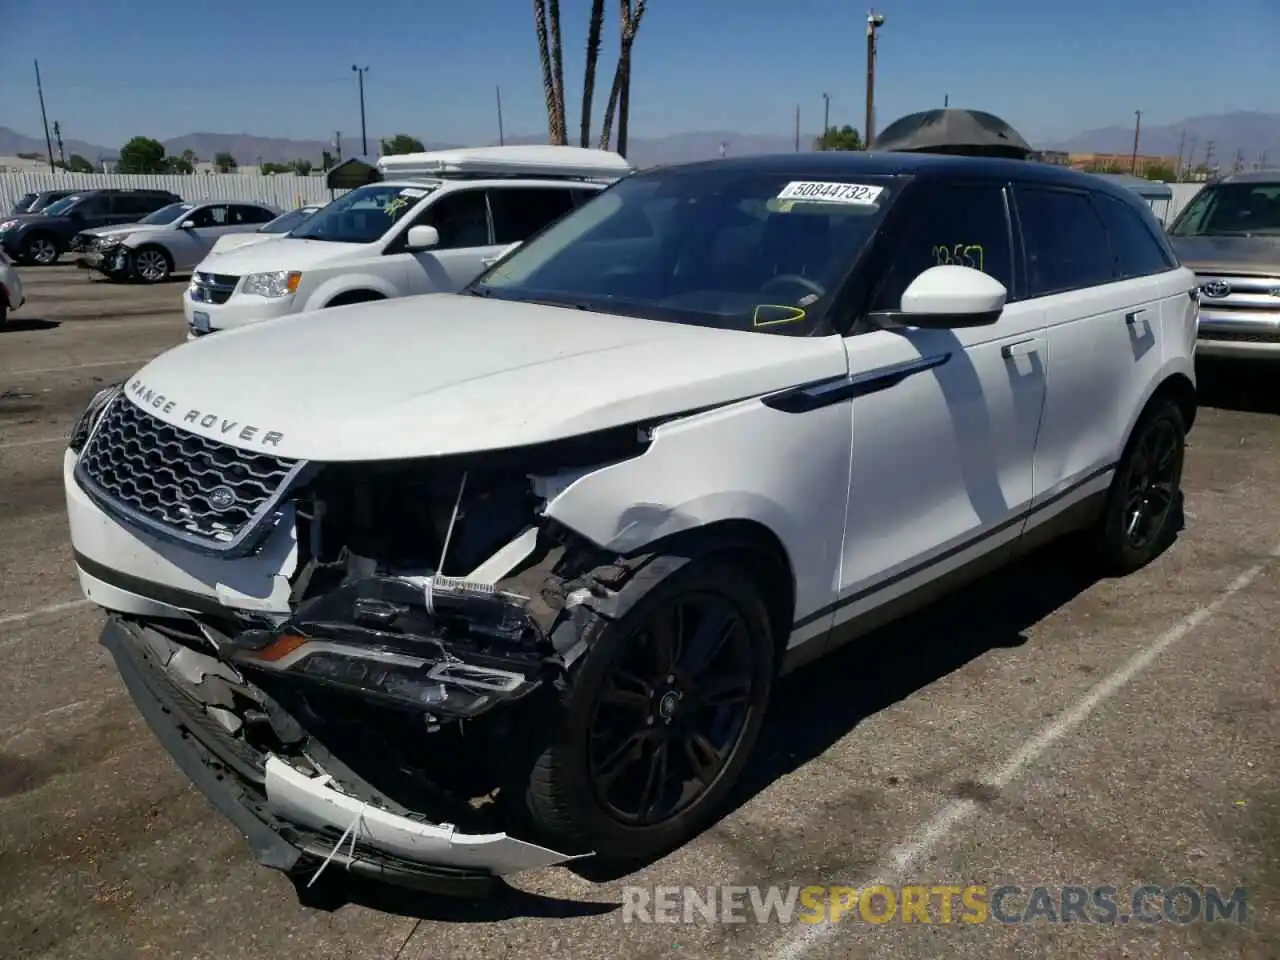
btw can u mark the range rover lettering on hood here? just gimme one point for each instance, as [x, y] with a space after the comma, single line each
[246, 432]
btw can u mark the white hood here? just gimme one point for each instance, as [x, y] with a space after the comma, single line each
[281, 253]
[127, 229]
[234, 241]
[446, 373]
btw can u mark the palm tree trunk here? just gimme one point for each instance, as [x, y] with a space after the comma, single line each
[595, 27]
[560, 133]
[624, 107]
[606, 129]
[544, 53]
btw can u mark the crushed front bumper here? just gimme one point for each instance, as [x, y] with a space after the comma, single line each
[293, 818]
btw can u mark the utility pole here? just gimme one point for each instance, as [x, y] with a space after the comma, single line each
[1137, 128]
[946, 100]
[1208, 156]
[337, 146]
[797, 128]
[501, 138]
[44, 116]
[1182, 143]
[826, 120]
[364, 136]
[874, 22]
[1238, 164]
[57, 133]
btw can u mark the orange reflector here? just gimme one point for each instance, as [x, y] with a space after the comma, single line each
[280, 648]
[295, 278]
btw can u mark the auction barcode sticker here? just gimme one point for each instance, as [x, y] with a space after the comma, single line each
[820, 192]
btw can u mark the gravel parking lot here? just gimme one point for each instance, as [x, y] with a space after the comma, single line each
[1038, 731]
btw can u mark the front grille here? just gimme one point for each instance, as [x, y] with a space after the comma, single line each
[180, 482]
[212, 287]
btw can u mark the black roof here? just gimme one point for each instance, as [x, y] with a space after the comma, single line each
[924, 166]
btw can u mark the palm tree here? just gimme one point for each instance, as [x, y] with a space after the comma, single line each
[595, 27]
[620, 94]
[549, 89]
[560, 133]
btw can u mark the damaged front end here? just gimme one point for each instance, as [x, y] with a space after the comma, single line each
[384, 723]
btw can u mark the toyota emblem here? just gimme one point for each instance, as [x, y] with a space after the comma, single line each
[1216, 289]
[222, 498]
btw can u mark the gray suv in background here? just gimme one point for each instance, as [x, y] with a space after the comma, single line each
[1229, 234]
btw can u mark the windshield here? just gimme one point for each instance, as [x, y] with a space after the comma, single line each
[61, 207]
[1231, 210]
[287, 221]
[167, 214]
[361, 216]
[740, 250]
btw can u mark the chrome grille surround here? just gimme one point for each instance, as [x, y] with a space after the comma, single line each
[210, 496]
[212, 287]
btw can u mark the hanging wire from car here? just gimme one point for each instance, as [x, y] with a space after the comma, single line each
[448, 538]
[353, 830]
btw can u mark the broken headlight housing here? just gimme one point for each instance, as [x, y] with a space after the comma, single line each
[92, 414]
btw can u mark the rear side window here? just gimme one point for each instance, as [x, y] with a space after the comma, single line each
[1137, 252]
[1066, 242]
[135, 204]
[520, 212]
[961, 224]
[244, 213]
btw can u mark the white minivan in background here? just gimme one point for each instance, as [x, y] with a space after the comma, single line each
[431, 223]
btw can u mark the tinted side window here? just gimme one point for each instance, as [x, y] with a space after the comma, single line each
[215, 216]
[462, 219]
[248, 214]
[964, 224]
[132, 204]
[1067, 245]
[1137, 252]
[520, 212]
[95, 206]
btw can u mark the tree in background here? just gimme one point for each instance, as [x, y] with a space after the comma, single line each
[326, 161]
[1158, 171]
[78, 164]
[301, 167]
[595, 27]
[183, 165]
[839, 138]
[546, 24]
[620, 94]
[142, 155]
[224, 162]
[401, 144]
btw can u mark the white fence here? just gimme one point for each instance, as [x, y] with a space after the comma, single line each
[282, 191]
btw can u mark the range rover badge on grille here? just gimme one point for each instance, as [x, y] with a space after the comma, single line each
[222, 498]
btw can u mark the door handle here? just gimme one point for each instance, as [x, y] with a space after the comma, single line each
[1132, 317]
[1019, 348]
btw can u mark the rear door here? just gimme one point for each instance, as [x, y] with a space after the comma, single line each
[1104, 331]
[520, 212]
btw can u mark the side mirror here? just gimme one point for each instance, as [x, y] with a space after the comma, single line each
[188, 224]
[422, 238]
[949, 297]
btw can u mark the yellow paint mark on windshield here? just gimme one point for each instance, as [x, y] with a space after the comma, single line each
[959, 254]
[775, 314]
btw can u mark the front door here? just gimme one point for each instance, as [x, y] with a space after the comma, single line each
[944, 421]
[466, 241]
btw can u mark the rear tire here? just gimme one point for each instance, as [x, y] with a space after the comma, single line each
[685, 721]
[1143, 512]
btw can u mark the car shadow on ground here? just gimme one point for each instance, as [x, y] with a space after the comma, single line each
[28, 325]
[812, 710]
[1246, 386]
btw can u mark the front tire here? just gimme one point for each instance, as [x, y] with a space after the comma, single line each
[660, 718]
[40, 250]
[150, 265]
[1144, 505]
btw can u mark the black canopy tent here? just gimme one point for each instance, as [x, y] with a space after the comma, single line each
[970, 133]
[353, 172]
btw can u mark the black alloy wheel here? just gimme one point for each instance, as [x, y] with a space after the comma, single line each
[672, 712]
[1153, 483]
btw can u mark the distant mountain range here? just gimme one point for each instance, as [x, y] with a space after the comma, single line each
[1252, 134]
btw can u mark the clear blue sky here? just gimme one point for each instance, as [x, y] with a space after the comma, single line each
[118, 68]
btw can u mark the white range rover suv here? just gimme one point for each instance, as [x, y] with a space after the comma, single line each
[551, 540]
[430, 224]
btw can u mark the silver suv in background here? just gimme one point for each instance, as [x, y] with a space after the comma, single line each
[1229, 234]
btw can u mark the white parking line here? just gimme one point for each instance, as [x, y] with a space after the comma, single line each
[42, 611]
[126, 361]
[904, 858]
[33, 443]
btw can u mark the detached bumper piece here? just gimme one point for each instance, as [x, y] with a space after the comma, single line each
[450, 649]
[296, 816]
